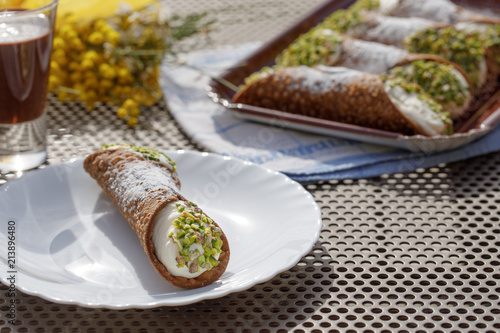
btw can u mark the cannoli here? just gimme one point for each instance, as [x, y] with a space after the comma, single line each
[349, 96]
[185, 246]
[437, 10]
[473, 49]
[446, 83]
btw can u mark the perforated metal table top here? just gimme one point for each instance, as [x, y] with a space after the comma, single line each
[412, 252]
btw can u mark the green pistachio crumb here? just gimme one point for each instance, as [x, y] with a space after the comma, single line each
[465, 49]
[315, 47]
[148, 153]
[366, 4]
[263, 72]
[437, 79]
[412, 87]
[193, 227]
[342, 20]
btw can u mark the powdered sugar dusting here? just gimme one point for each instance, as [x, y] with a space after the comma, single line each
[316, 82]
[438, 10]
[394, 30]
[142, 181]
[371, 57]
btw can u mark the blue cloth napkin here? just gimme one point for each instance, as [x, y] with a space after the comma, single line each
[302, 156]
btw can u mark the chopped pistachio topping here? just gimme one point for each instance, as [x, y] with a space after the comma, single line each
[412, 87]
[147, 153]
[342, 20]
[465, 49]
[263, 72]
[318, 46]
[437, 79]
[492, 35]
[366, 5]
[194, 231]
[491, 38]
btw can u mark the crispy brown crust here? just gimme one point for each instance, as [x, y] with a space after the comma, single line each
[140, 189]
[349, 97]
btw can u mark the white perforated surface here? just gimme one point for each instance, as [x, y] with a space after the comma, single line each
[415, 252]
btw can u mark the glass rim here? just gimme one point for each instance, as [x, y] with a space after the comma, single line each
[45, 7]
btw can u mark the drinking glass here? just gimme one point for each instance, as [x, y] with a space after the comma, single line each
[25, 47]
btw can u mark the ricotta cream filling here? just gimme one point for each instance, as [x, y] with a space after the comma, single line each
[416, 110]
[483, 72]
[167, 250]
[456, 110]
[453, 108]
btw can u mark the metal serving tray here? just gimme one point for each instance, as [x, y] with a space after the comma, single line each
[484, 117]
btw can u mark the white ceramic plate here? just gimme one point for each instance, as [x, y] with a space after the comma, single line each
[73, 246]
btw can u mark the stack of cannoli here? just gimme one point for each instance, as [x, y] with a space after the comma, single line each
[444, 81]
[185, 246]
[367, 62]
[471, 45]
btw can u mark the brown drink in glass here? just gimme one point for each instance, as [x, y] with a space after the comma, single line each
[25, 49]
